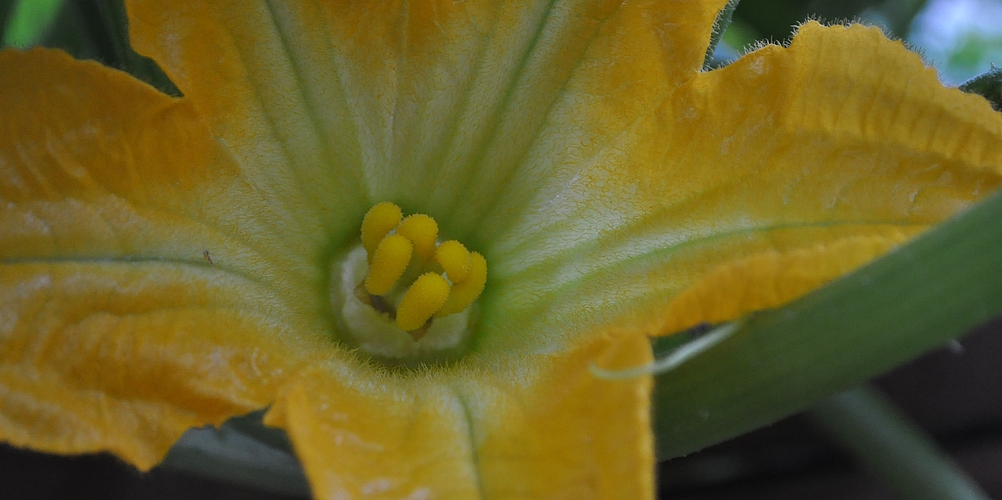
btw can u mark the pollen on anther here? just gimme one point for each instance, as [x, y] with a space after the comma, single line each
[391, 242]
[378, 222]
[422, 230]
[389, 261]
[455, 260]
[426, 296]
[465, 292]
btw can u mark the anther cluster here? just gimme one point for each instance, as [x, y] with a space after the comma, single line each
[411, 276]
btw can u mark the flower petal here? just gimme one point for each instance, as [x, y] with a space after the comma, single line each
[432, 104]
[116, 357]
[116, 332]
[536, 427]
[749, 186]
[281, 113]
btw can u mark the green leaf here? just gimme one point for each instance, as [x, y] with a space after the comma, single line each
[110, 15]
[782, 361]
[988, 85]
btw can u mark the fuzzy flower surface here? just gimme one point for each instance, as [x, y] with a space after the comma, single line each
[167, 263]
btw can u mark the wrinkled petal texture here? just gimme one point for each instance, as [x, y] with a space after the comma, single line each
[116, 333]
[745, 188]
[541, 427]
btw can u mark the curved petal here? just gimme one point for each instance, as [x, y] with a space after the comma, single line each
[535, 427]
[116, 332]
[443, 107]
[765, 178]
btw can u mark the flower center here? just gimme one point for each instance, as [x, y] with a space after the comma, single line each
[403, 295]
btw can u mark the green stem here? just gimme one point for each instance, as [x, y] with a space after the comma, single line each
[889, 444]
[782, 361]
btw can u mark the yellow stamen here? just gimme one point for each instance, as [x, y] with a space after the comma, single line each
[378, 222]
[465, 292]
[427, 295]
[422, 231]
[391, 241]
[455, 259]
[389, 261]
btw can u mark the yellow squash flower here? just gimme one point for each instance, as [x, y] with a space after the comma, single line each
[168, 263]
